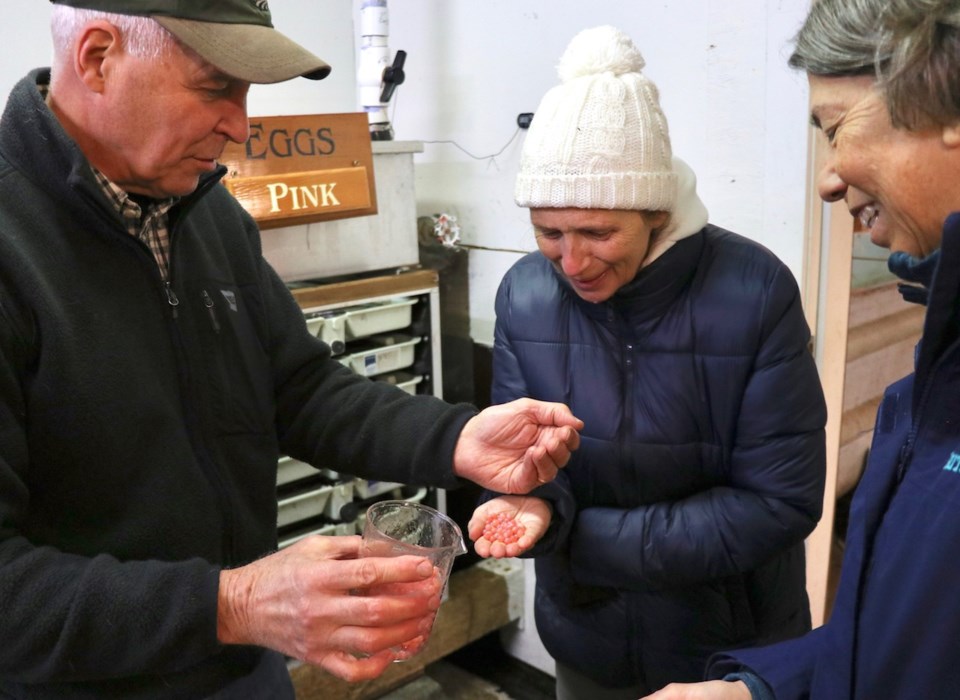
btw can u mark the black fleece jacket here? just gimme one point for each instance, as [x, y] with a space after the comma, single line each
[140, 425]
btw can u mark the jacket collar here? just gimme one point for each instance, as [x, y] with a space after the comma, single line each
[941, 327]
[916, 273]
[689, 215]
[655, 287]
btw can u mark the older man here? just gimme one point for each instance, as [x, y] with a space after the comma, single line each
[152, 367]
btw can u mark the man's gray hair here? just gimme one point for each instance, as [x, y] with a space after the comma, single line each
[912, 47]
[142, 36]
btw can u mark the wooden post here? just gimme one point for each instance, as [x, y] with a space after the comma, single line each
[831, 352]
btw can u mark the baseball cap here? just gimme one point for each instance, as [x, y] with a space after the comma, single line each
[236, 36]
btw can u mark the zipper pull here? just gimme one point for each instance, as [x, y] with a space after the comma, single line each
[171, 299]
[208, 302]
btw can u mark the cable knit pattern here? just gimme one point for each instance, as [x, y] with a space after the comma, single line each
[599, 140]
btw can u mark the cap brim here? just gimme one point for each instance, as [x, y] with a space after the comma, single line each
[250, 52]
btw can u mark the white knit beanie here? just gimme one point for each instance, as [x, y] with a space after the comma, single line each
[599, 139]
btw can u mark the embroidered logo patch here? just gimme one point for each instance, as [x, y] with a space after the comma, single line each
[953, 464]
[231, 299]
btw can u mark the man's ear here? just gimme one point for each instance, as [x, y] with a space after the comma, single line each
[98, 44]
[950, 135]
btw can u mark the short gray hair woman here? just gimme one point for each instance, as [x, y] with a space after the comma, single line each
[885, 91]
[913, 52]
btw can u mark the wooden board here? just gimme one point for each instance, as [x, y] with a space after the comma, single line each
[832, 324]
[304, 168]
[337, 293]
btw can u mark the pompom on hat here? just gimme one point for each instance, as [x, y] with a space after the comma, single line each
[599, 140]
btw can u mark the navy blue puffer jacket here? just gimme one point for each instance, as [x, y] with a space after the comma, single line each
[678, 525]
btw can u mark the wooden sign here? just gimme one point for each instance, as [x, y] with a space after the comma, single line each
[301, 169]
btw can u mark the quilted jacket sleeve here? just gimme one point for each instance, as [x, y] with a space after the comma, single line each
[787, 667]
[771, 500]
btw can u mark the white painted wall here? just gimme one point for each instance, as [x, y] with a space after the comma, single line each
[736, 113]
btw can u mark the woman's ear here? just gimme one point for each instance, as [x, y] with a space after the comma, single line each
[656, 219]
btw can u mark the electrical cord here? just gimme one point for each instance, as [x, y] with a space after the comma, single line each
[522, 123]
[492, 156]
[489, 157]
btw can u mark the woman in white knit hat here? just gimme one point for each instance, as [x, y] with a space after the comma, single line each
[677, 529]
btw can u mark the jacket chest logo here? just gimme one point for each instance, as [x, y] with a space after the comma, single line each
[231, 299]
[953, 464]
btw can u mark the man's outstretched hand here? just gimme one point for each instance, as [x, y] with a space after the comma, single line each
[517, 446]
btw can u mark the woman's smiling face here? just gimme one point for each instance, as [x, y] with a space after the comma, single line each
[596, 250]
[901, 184]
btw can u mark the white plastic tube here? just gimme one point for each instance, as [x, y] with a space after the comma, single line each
[374, 59]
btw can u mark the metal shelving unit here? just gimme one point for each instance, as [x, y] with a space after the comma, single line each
[384, 328]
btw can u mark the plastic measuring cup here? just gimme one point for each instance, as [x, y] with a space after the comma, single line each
[395, 528]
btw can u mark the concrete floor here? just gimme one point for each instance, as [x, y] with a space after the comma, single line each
[479, 671]
[444, 681]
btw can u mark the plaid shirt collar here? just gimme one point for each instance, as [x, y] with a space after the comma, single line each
[150, 226]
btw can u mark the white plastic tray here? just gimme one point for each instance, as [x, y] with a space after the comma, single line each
[290, 469]
[386, 354]
[368, 488]
[327, 529]
[301, 506]
[314, 324]
[330, 329]
[340, 495]
[404, 380]
[382, 317]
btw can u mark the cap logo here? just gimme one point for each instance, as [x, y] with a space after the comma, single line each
[262, 5]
